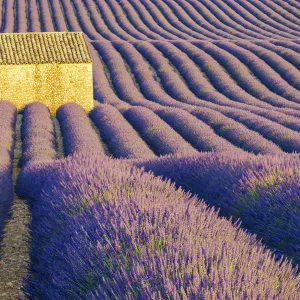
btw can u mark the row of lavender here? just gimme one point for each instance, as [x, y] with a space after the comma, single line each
[246, 195]
[261, 191]
[152, 128]
[37, 134]
[202, 74]
[125, 234]
[220, 179]
[8, 119]
[287, 121]
[137, 133]
[276, 126]
[257, 93]
[139, 86]
[160, 131]
[157, 20]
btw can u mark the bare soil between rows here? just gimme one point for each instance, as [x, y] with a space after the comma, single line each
[14, 258]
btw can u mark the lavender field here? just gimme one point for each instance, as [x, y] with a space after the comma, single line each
[183, 182]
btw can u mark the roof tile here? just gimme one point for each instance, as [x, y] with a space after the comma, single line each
[43, 47]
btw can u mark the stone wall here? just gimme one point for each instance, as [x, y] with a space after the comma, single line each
[52, 84]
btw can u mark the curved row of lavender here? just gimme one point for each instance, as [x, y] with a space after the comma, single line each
[158, 20]
[231, 77]
[235, 132]
[197, 133]
[158, 134]
[98, 21]
[275, 131]
[8, 117]
[123, 141]
[123, 87]
[77, 131]
[37, 134]
[194, 74]
[120, 137]
[244, 77]
[207, 58]
[261, 191]
[278, 133]
[287, 139]
[126, 234]
[174, 85]
[77, 22]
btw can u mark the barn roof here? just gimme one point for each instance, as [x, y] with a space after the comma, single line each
[43, 48]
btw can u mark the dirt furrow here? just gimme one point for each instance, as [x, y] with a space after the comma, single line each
[15, 246]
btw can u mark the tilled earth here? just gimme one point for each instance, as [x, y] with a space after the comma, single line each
[14, 250]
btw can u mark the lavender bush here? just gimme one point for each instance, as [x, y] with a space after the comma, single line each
[103, 229]
[33, 17]
[21, 18]
[8, 20]
[263, 191]
[47, 23]
[6, 187]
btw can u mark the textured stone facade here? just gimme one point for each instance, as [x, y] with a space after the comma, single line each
[55, 68]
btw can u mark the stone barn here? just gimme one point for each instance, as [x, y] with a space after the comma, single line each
[50, 67]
